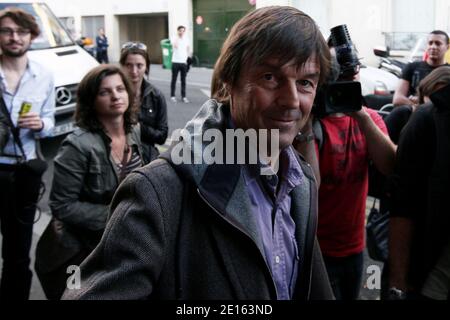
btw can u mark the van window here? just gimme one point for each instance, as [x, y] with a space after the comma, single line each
[53, 34]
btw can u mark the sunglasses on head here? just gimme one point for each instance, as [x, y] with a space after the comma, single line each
[131, 45]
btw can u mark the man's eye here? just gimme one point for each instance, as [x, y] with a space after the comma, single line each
[268, 76]
[305, 83]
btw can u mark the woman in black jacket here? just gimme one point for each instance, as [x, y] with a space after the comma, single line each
[151, 103]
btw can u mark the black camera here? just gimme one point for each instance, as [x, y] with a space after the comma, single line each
[339, 93]
[338, 97]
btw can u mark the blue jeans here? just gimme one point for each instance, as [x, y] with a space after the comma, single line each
[345, 275]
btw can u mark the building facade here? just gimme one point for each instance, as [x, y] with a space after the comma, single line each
[371, 23]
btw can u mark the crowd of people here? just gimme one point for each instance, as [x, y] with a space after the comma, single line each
[143, 225]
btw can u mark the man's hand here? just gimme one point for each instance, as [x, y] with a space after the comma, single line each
[30, 120]
[359, 115]
[400, 94]
[381, 148]
[414, 99]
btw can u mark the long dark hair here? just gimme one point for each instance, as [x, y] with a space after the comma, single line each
[85, 115]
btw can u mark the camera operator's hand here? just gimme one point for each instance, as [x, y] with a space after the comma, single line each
[360, 115]
[381, 148]
[30, 120]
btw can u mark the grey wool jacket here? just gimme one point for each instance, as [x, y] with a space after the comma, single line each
[186, 231]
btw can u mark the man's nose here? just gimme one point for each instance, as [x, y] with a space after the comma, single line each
[288, 95]
[14, 35]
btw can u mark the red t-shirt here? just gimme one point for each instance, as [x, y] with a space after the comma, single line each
[343, 164]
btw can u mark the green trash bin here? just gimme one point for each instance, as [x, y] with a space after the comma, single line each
[166, 48]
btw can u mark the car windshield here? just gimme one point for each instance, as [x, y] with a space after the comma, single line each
[52, 34]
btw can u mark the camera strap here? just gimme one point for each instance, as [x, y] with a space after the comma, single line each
[14, 129]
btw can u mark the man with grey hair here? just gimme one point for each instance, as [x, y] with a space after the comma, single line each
[224, 231]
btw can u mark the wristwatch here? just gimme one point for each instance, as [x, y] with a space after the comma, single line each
[302, 137]
[396, 294]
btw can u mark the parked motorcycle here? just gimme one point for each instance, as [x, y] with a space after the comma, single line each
[388, 63]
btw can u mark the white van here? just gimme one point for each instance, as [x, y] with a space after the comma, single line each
[58, 52]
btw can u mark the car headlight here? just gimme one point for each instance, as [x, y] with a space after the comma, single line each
[381, 88]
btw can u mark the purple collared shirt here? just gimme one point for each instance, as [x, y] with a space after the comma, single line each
[272, 210]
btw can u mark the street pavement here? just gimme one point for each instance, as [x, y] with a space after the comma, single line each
[198, 91]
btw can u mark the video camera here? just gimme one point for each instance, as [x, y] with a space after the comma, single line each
[340, 94]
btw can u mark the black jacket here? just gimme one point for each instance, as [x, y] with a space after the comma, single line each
[153, 120]
[422, 183]
[184, 231]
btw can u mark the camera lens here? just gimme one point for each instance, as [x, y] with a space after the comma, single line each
[346, 53]
[340, 35]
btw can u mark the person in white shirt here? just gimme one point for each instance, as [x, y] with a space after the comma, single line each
[181, 52]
